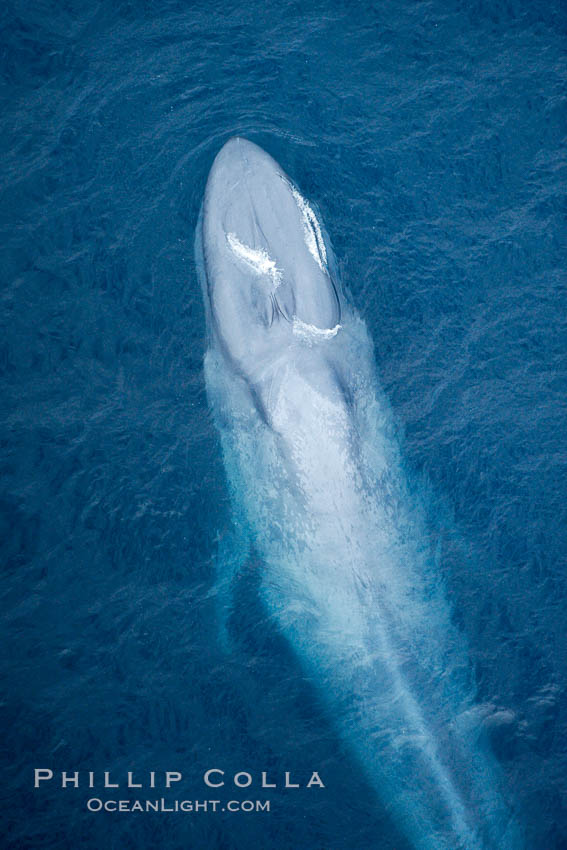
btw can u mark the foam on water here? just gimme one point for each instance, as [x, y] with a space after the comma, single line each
[313, 236]
[258, 260]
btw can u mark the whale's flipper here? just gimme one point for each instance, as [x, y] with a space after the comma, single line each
[232, 557]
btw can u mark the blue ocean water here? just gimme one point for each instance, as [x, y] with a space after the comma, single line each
[430, 135]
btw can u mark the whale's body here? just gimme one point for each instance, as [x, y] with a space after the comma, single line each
[317, 485]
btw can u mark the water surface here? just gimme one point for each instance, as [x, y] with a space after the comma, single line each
[431, 137]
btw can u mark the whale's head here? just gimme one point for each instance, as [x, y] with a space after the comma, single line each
[266, 263]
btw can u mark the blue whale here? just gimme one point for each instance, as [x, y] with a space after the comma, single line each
[350, 576]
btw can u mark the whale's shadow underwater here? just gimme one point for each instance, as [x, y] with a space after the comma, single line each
[349, 573]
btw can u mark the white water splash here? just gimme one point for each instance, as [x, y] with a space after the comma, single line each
[256, 258]
[311, 333]
[311, 230]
